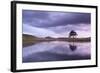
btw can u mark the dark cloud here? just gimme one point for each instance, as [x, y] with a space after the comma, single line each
[29, 16]
[51, 19]
[76, 19]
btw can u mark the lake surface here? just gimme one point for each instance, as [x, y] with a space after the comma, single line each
[56, 51]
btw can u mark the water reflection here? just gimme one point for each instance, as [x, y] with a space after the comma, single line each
[56, 51]
[72, 47]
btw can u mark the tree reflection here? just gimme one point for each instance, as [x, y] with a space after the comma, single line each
[72, 46]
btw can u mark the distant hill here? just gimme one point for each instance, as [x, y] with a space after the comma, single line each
[30, 39]
[29, 36]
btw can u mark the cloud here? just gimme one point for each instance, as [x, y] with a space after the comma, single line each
[69, 27]
[55, 24]
[44, 19]
[38, 32]
[83, 30]
[58, 31]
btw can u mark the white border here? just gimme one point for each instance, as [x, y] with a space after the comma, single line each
[21, 65]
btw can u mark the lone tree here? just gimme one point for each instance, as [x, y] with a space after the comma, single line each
[72, 34]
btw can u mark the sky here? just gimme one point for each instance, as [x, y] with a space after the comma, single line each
[55, 24]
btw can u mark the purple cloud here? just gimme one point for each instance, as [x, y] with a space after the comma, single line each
[56, 24]
[51, 18]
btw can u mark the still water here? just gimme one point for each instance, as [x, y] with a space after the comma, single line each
[56, 51]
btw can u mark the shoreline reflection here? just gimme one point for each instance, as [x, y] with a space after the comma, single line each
[56, 51]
